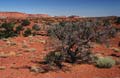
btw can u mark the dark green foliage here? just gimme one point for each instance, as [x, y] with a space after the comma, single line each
[25, 22]
[7, 30]
[8, 26]
[106, 23]
[27, 32]
[36, 27]
[19, 28]
[62, 23]
[118, 20]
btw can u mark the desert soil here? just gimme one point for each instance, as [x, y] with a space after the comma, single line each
[19, 52]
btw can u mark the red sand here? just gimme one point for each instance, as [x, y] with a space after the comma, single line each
[26, 58]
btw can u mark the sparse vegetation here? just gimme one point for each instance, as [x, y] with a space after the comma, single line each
[54, 58]
[27, 32]
[70, 41]
[25, 22]
[80, 36]
[105, 62]
[19, 29]
[118, 20]
[7, 30]
[36, 27]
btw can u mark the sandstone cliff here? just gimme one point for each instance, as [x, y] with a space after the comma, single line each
[21, 15]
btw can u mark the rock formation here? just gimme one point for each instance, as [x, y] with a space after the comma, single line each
[21, 15]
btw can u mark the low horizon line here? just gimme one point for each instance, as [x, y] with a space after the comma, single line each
[61, 15]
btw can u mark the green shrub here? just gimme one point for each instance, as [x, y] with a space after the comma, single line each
[105, 62]
[7, 30]
[25, 22]
[36, 27]
[54, 58]
[18, 29]
[8, 26]
[27, 32]
[118, 20]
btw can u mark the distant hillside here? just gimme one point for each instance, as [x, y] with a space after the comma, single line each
[20, 15]
[38, 15]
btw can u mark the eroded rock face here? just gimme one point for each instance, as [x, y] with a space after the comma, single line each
[12, 15]
[38, 15]
[21, 15]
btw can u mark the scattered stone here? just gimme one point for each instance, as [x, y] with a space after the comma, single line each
[31, 39]
[3, 55]
[115, 49]
[37, 69]
[13, 43]
[98, 55]
[2, 67]
[42, 41]
[4, 39]
[24, 44]
[10, 43]
[30, 50]
[12, 53]
[19, 54]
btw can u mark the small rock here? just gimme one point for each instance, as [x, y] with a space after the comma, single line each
[34, 69]
[4, 39]
[3, 55]
[30, 50]
[2, 67]
[37, 69]
[117, 61]
[13, 43]
[42, 41]
[116, 49]
[99, 55]
[24, 44]
[12, 53]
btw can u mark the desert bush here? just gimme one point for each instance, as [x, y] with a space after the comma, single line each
[25, 22]
[7, 30]
[19, 28]
[70, 36]
[107, 23]
[27, 32]
[7, 34]
[8, 26]
[105, 62]
[62, 23]
[104, 33]
[118, 20]
[54, 58]
[36, 27]
[80, 35]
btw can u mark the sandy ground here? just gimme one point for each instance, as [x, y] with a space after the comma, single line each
[23, 51]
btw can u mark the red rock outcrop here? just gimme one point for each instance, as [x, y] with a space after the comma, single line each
[21, 15]
[12, 15]
[37, 15]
